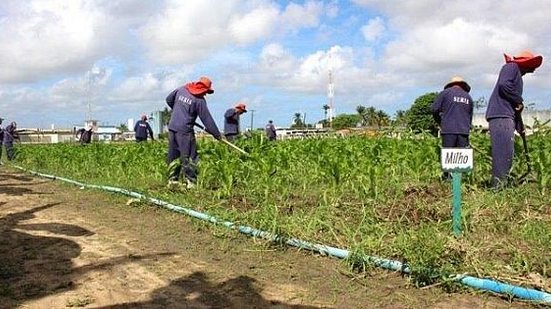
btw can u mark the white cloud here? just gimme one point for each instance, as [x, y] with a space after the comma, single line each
[275, 58]
[253, 25]
[374, 29]
[136, 88]
[43, 38]
[187, 31]
[148, 86]
[277, 67]
[433, 40]
[456, 44]
[191, 31]
[297, 16]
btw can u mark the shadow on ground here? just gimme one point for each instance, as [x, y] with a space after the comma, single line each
[20, 191]
[16, 177]
[34, 266]
[15, 188]
[197, 291]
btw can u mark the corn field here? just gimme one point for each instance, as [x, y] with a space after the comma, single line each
[378, 196]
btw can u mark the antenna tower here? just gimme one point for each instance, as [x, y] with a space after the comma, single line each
[330, 96]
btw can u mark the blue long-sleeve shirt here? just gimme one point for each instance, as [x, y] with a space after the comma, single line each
[270, 130]
[185, 109]
[453, 110]
[9, 134]
[142, 128]
[231, 121]
[507, 93]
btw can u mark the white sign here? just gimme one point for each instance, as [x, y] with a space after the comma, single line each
[456, 159]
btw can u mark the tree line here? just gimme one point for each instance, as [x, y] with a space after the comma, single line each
[417, 118]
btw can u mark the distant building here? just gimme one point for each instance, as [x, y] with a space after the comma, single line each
[39, 136]
[529, 118]
[130, 124]
[104, 133]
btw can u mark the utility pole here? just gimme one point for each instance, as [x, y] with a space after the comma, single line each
[252, 119]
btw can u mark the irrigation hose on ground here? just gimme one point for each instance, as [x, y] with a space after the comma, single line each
[477, 283]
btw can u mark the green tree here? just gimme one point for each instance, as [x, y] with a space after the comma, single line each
[382, 119]
[361, 110]
[346, 121]
[419, 116]
[298, 123]
[373, 117]
[325, 109]
[400, 118]
[122, 127]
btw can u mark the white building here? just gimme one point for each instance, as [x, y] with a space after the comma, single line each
[529, 118]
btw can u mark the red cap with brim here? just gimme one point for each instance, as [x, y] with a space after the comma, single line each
[525, 60]
[241, 106]
[204, 85]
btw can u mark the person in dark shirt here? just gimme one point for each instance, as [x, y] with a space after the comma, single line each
[187, 103]
[231, 121]
[505, 105]
[270, 131]
[142, 129]
[10, 134]
[453, 111]
[84, 135]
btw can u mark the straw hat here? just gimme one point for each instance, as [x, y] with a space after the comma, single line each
[457, 80]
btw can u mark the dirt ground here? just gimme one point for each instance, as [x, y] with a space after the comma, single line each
[61, 246]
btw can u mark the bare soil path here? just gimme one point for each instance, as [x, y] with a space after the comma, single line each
[61, 247]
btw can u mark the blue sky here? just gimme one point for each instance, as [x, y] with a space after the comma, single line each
[124, 56]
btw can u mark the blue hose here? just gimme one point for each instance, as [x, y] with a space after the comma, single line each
[477, 283]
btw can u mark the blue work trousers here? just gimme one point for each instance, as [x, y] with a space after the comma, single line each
[183, 146]
[502, 136]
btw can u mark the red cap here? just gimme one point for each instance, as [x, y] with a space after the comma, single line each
[204, 85]
[526, 60]
[241, 106]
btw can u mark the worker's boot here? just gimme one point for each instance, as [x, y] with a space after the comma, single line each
[173, 184]
[190, 184]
